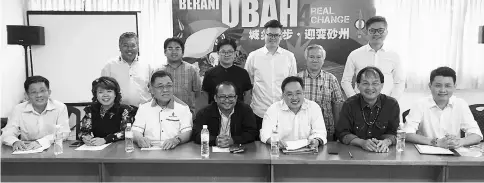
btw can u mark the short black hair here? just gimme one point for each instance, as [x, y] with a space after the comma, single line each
[160, 74]
[370, 69]
[128, 35]
[273, 24]
[35, 79]
[107, 83]
[176, 40]
[226, 41]
[376, 19]
[291, 79]
[443, 71]
[225, 83]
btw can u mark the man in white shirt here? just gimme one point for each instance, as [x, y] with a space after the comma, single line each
[36, 119]
[131, 74]
[375, 54]
[438, 120]
[165, 121]
[267, 67]
[294, 117]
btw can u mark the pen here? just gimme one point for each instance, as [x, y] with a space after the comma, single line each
[351, 156]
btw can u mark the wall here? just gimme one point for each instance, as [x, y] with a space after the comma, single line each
[12, 62]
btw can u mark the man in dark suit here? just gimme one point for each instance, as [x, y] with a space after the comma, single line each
[228, 121]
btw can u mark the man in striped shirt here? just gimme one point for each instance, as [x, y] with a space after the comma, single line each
[322, 87]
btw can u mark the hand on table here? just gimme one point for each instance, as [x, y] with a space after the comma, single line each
[382, 145]
[143, 142]
[369, 145]
[224, 141]
[97, 141]
[169, 144]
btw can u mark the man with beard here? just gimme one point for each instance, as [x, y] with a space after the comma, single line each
[187, 84]
[35, 120]
[369, 119]
[375, 54]
[322, 87]
[229, 121]
[267, 67]
[439, 119]
[131, 74]
[294, 117]
[166, 121]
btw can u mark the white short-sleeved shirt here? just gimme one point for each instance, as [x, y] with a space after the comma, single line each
[308, 123]
[159, 124]
[384, 59]
[31, 125]
[267, 71]
[133, 79]
[427, 119]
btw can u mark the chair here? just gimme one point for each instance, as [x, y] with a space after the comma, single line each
[77, 112]
[4, 122]
[478, 115]
[405, 115]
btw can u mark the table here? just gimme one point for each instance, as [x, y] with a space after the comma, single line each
[184, 163]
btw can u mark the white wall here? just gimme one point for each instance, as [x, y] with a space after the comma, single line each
[12, 56]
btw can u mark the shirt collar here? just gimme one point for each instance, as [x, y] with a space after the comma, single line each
[124, 61]
[364, 104]
[432, 103]
[168, 65]
[222, 114]
[284, 106]
[171, 104]
[307, 73]
[369, 49]
[266, 51]
[50, 106]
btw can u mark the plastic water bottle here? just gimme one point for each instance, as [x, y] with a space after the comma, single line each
[128, 138]
[205, 146]
[58, 138]
[274, 144]
[400, 140]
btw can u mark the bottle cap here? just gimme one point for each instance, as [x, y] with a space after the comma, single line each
[128, 124]
[205, 126]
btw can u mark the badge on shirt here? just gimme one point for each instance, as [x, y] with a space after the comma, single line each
[173, 117]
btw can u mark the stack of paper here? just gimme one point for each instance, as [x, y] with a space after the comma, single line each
[92, 148]
[219, 149]
[38, 150]
[298, 147]
[425, 149]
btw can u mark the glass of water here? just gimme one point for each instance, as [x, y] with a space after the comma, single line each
[400, 141]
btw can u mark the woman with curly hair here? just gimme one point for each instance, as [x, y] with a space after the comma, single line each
[106, 118]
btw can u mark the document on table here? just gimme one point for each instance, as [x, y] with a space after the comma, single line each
[296, 144]
[219, 149]
[425, 149]
[152, 148]
[38, 150]
[469, 152]
[92, 148]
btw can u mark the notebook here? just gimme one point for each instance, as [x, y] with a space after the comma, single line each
[426, 149]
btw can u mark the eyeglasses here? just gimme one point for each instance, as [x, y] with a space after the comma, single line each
[226, 53]
[273, 35]
[174, 49]
[373, 31]
[226, 97]
[291, 95]
[34, 93]
[162, 87]
[372, 84]
[132, 46]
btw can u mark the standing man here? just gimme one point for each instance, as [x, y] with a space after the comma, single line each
[377, 55]
[185, 76]
[322, 87]
[131, 74]
[227, 71]
[268, 67]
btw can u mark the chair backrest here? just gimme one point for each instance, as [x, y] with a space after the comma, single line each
[4, 122]
[478, 115]
[77, 112]
[405, 115]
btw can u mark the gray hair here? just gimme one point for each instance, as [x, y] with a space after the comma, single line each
[314, 46]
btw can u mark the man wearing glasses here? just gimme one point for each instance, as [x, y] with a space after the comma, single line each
[294, 117]
[369, 119]
[186, 80]
[227, 71]
[229, 121]
[166, 121]
[377, 55]
[267, 67]
[131, 74]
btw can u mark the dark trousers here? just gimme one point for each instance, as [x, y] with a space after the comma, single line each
[258, 121]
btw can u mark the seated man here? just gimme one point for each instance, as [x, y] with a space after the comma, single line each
[369, 119]
[229, 121]
[35, 120]
[165, 121]
[438, 119]
[294, 117]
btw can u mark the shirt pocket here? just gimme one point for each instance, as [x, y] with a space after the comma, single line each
[360, 129]
[382, 125]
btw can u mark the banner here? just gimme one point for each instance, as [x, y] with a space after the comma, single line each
[337, 25]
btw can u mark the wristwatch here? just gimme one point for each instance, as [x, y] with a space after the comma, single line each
[433, 142]
[178, 139]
